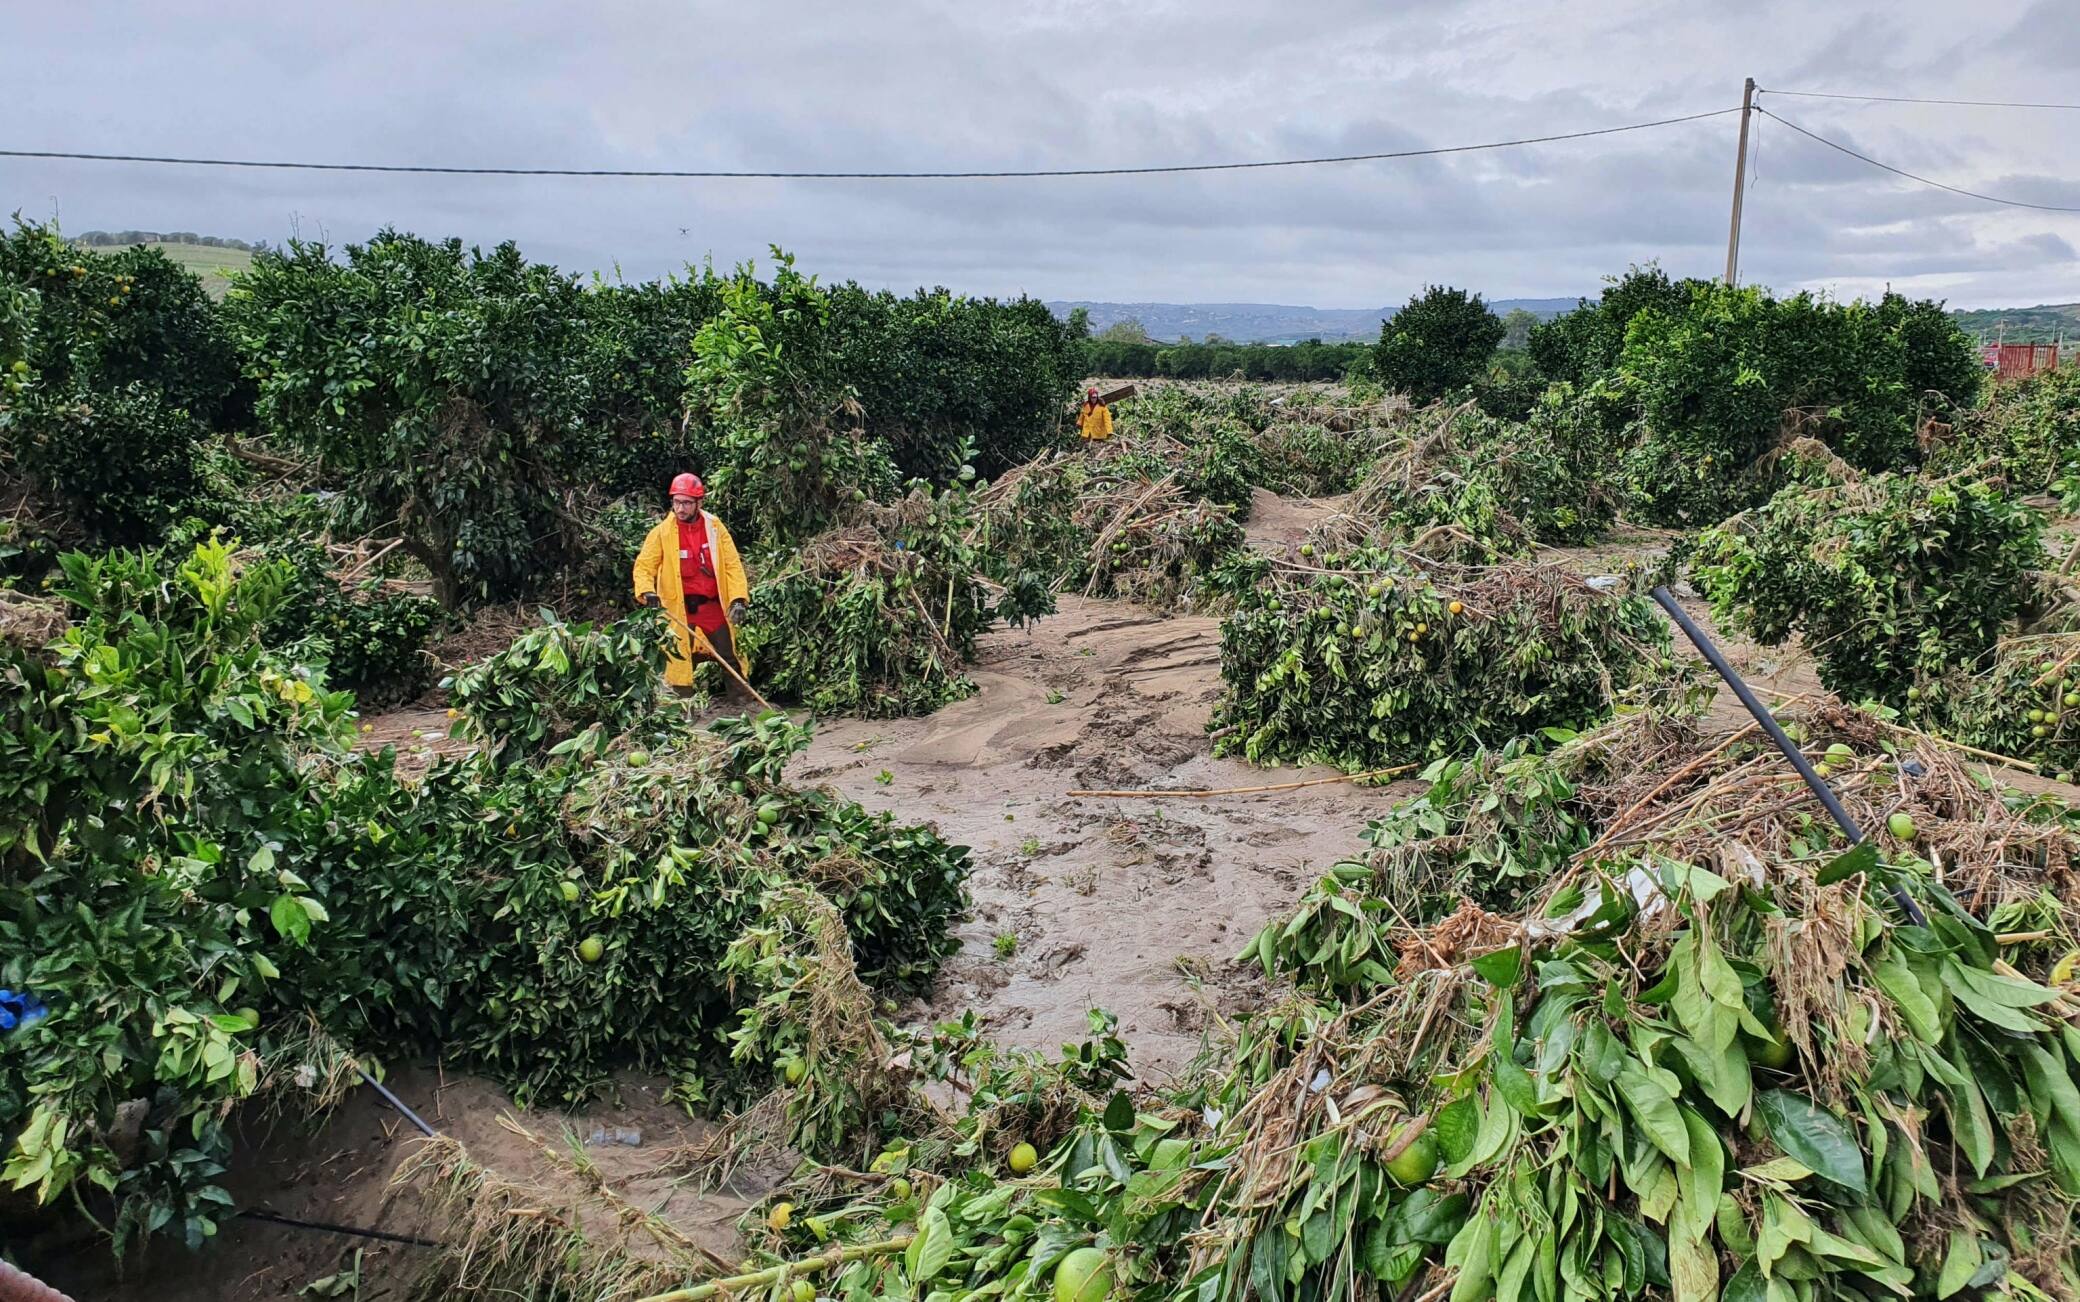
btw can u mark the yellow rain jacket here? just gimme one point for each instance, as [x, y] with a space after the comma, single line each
[1096, 421]
[657, 570]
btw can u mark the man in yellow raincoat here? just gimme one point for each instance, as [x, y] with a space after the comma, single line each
[1094, 422]
[689, 568]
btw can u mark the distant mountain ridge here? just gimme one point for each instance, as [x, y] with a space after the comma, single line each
[2046, 323]
[1277, 323]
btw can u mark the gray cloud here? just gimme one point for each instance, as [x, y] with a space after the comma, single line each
[1054, 83]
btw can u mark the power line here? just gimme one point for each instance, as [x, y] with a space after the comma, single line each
[1912, 99]
[1897, 171]
[853, 176]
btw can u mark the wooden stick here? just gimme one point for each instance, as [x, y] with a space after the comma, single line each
[2071, 556]
[717, 660]
[2008, 760]
[1250, 791]
[355, 570]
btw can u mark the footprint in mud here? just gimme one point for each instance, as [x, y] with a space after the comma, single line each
[1184, 1015]
[1054, 757]
[1050, 966]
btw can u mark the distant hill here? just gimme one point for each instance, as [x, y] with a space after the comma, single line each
[1275, 323]
[1278, 323]
[212, 258]
[2046, 323]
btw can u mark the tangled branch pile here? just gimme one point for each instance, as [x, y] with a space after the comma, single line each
[1381, 659]
[1712, 1060]
[2020, 701]
[1104, 523]
[1498, 827]
[1222, 443]
[879, 616]
[2028, 434]
[556, 683]
[1467, 486]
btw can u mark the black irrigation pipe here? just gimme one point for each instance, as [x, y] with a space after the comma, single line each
[397, 1103]
[1768, 724]
[355, 1231]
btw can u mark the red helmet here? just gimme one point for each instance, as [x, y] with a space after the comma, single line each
[688, 486]
[1090, 393]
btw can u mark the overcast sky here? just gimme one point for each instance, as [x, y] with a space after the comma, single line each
[925, 84]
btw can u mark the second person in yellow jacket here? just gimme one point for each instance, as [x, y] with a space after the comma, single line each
[1094, 422]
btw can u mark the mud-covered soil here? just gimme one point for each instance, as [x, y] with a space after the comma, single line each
[1131, 903]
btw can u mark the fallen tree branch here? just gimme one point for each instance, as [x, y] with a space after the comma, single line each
[836, 1257]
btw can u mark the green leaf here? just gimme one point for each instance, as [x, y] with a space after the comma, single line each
[2006, 989]
[1991, 999]
[1899, 983]
[1783, 1224]
[1511, 1080]
[1699, 1184]
[1652, 1106]
[1778, 1168]
[1725, 1075]
[1602, 1057]
[2051, 1084]
[1119, 1113]
[1836, 1248]
[929, 1252]
[1818, 1139]
[1428, 1217]
[1971, 1124]
[1498, 1127]
[1455, 1126]
[1383, 1257]
[1472, 1250]
[1703, 884]
[1659, 1196]
[1859, 858]
[1747, 1285]
[1693, 1269]
[1735, 1233]
[290, 919]
[1501, 967]
[1318, 1236]
[1509, 1284]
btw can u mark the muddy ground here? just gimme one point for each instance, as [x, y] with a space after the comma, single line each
[1135, 903]
[338, 1173]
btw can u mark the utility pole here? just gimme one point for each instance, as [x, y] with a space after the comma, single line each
[1740, 183]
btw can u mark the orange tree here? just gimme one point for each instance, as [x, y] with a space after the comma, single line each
[117, 367]
[1725, 379]
[434, 384]
[1440, 341]
[946, 380]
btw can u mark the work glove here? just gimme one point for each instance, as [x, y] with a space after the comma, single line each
[653, 601]
[737, 611]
